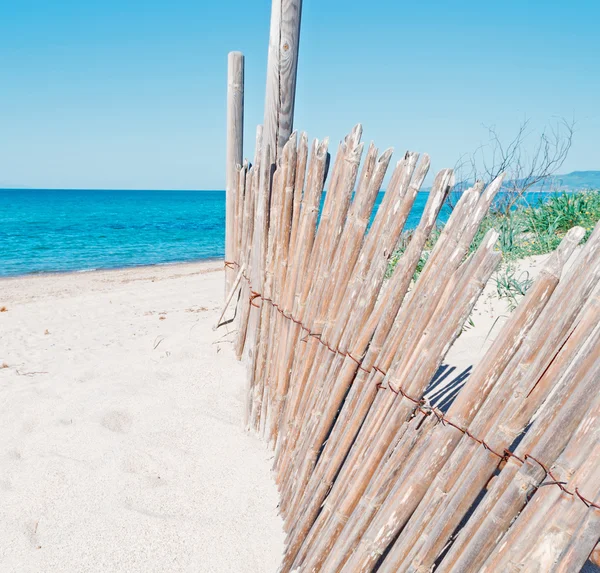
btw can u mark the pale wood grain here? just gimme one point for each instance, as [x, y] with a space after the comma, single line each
[282, 67]
[235, 153]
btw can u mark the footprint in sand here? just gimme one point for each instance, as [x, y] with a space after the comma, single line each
[119, 421]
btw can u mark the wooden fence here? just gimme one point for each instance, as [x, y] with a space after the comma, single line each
[339, 358]
[372, 474]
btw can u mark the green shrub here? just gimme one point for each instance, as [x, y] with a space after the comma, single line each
[525, 231]
[537, 230]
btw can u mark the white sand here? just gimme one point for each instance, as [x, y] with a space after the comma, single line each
[488, 317]
[121, 447]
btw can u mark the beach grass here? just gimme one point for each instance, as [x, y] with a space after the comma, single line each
[538, 229]
[525, 231]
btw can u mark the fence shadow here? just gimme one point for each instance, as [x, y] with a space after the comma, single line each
[445, 386]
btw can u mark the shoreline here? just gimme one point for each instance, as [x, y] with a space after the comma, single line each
[62, 236]
[109, 269]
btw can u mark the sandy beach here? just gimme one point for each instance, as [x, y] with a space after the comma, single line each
[121, 445]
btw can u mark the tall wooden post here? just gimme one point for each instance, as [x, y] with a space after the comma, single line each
[235, 136]
[282, 67]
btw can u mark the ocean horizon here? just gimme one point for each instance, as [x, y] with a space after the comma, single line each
[70, 230]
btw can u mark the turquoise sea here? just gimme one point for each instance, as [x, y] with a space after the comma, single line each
[70, 230]
[45, 230]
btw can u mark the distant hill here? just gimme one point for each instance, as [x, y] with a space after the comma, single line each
[577, 181]
[10, 185]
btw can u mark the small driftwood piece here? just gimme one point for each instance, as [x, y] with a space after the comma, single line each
[234, 287]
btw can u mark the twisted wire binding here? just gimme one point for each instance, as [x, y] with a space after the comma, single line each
[420, 405]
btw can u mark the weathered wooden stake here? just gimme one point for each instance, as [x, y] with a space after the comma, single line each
[282, 65]
[235, 137]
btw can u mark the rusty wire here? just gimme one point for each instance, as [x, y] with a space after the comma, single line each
[420, 405]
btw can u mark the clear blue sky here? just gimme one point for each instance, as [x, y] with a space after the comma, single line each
[131, 94]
